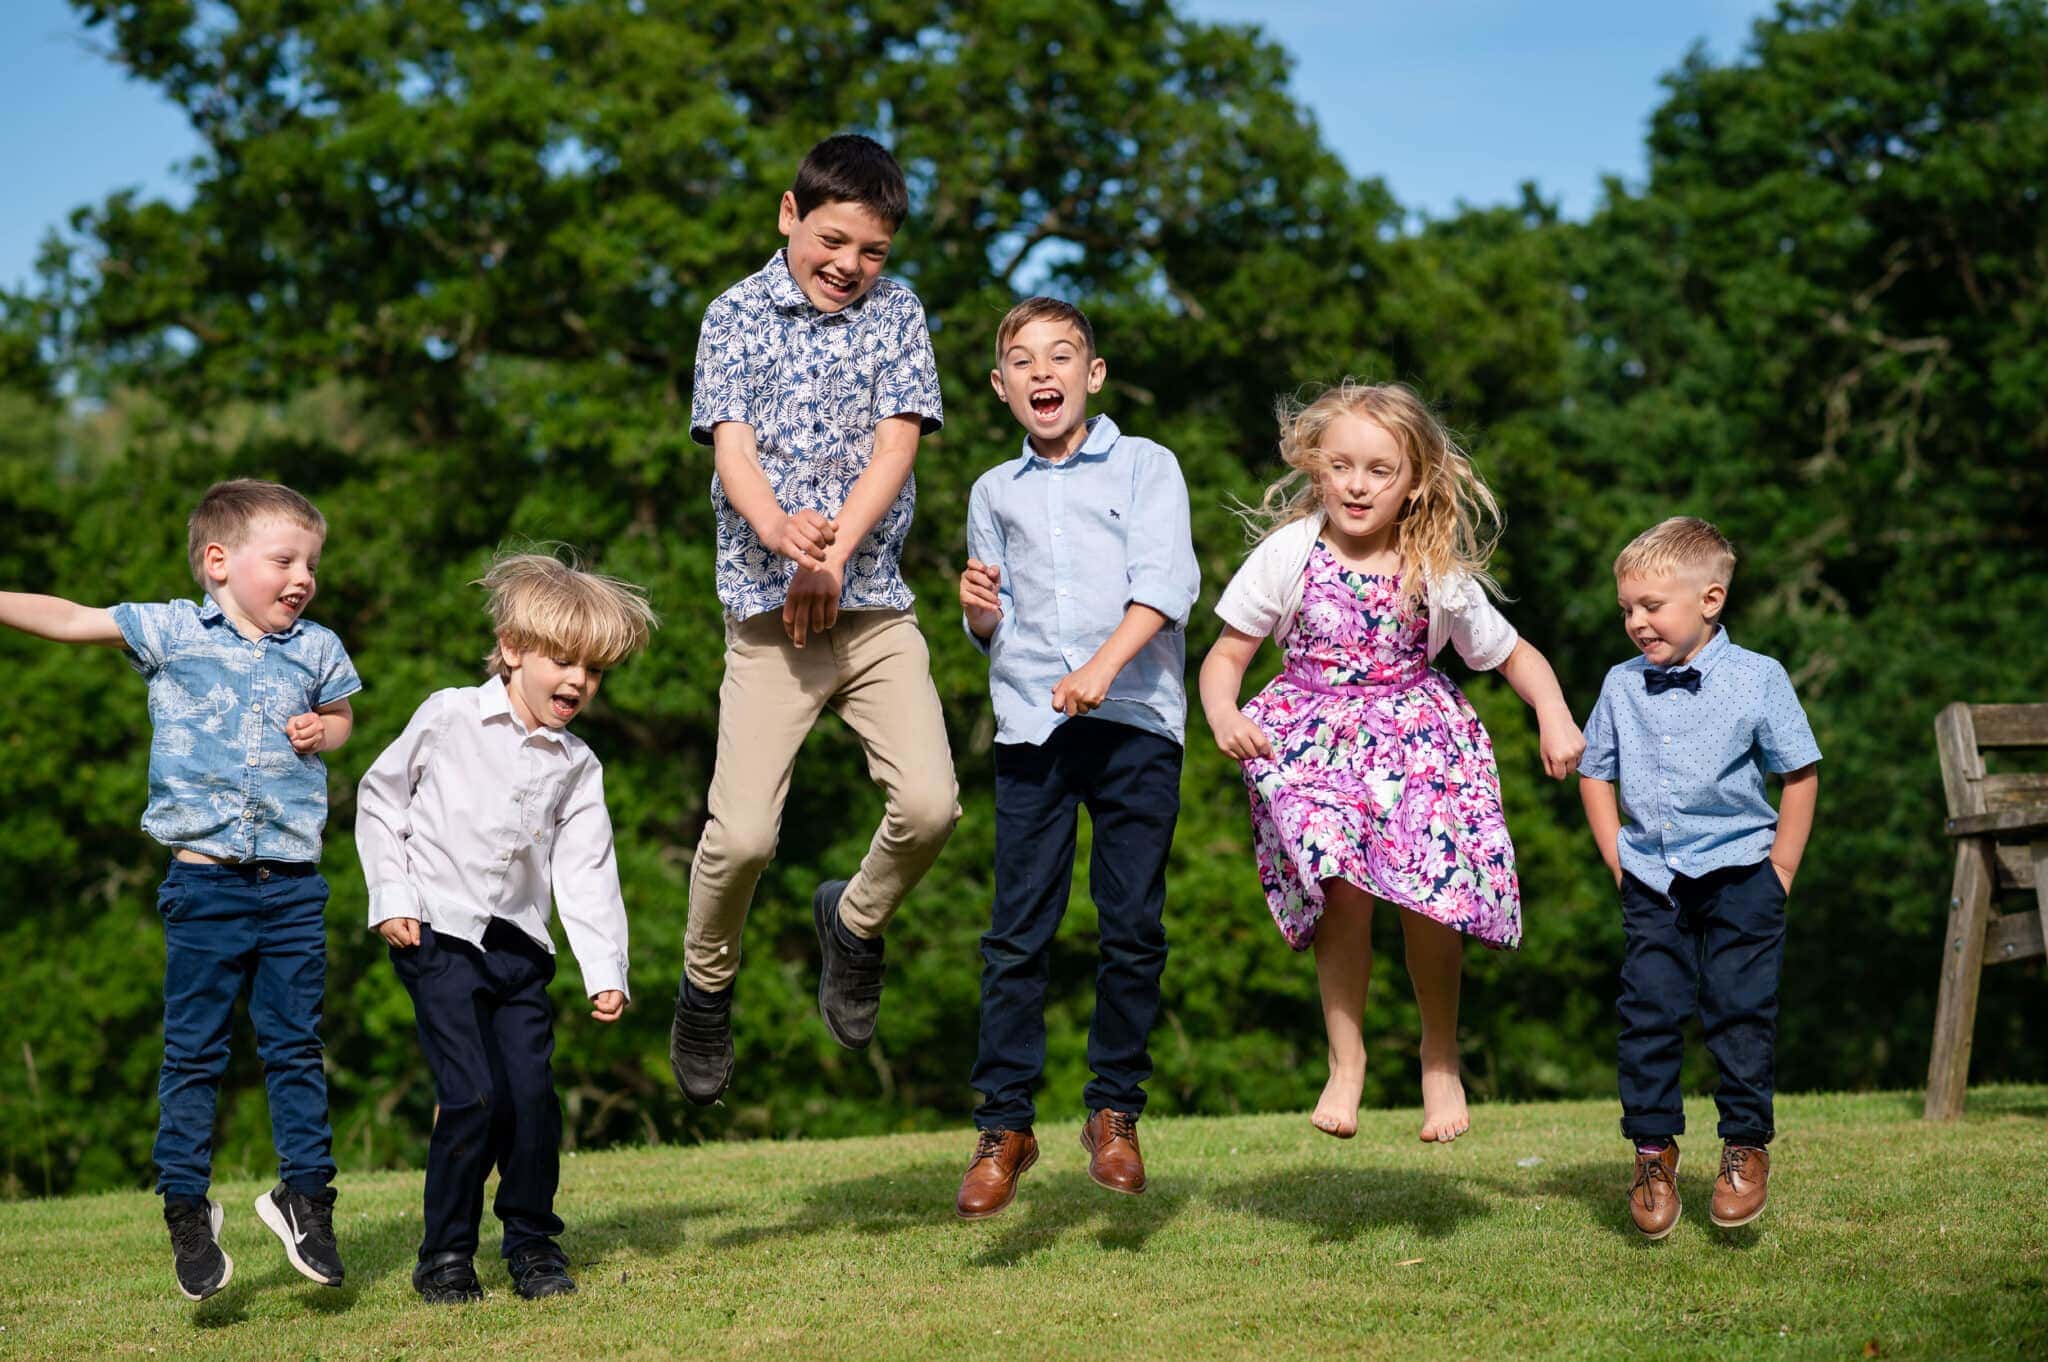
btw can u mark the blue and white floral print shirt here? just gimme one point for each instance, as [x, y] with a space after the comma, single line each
[1079, 542]
[224, 779]
[1691, 763]
[813, 385]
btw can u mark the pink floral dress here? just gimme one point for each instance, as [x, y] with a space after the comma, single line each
[1383, 776]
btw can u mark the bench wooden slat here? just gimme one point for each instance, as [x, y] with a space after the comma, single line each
[2015, 867]
[1998, 824]
[2010, 725]
[2014, 790]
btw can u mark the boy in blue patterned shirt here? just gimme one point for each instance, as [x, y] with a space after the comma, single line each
[1080, 576]
[1689, 728]
[244, 694]
[814, 382]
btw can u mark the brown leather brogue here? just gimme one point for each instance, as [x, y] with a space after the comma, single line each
[990, 1184]
[1653, 1196]
[1742, 1185]
[1111, 1139]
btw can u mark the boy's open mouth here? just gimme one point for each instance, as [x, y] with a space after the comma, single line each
[1046, 402]
[564, 705]
[293, 601]
[832, 283]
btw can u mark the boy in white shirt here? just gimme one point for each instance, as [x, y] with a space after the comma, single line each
[466, 824]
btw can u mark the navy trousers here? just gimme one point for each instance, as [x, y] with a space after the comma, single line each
[488, 1031]
[260, 926]
[1712, 945]
[1129, 781]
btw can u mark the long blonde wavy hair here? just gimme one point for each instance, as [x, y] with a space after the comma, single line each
[1451, 523]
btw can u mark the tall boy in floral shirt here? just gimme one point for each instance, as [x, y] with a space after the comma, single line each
[814, 382]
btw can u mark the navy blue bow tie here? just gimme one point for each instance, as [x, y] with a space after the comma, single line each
[1685, 678]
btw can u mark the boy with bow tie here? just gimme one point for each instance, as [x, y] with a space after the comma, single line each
[1704, 864]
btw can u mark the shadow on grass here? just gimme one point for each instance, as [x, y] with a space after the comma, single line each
[1047, 1209]
[881, 1203]
[1341, 1204]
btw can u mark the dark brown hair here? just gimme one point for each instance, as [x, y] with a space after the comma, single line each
[850, 168]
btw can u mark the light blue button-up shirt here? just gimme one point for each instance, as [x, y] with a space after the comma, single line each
[224, 780]
[1691, 766]
[1079, 542]
[813, 385]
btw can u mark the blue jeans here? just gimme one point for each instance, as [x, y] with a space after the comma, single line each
[1129, 781]
[1712, 945]
[260, 926]
[488, 1031]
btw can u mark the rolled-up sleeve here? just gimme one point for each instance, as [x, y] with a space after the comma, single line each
[985, 542]
[586, 881]
[1160, 552]
[146, 630]
[384, 813]
[1479, 631]
[908, 383]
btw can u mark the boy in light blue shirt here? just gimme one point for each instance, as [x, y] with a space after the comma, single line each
[1079, 582]
[244, 694]
[1689, 728]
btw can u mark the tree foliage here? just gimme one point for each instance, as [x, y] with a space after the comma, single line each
[442, 270]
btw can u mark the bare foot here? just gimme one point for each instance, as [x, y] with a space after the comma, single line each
[1336, 1111]
[1444, 1117]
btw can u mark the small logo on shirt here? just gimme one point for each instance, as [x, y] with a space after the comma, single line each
[1113, 514]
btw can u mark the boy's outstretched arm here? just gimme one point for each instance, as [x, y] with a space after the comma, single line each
[1795, 820]
[1557, 735]
[1603, 816]
[1221, 679]
[62, 621]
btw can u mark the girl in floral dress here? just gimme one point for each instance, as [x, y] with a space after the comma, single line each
[1370, 776]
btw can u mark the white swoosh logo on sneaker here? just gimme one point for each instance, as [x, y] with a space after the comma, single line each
[298, 1235]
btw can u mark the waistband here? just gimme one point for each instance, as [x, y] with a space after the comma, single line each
[247, 870]
[1375, 692]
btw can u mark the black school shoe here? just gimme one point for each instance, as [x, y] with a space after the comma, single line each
[540, 1272]
[850, 979]
[305, 1226]
[447, 1279]
[201, 1266]
[700, 1045]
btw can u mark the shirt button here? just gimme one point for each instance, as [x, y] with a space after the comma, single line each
[1667, 827]
[1063, 591]
[252, 758]
[538, 834]
[1667, 739]
[248, 815]
[1057, 532]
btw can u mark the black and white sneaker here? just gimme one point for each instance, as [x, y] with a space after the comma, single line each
[700, 1045]
[305, 1226]
[540, 1272]
[201, 1265]
[850, 977]
[447, 1279]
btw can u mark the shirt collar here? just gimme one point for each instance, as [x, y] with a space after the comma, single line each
[1704, 660]
[492, 702]
[1101, 438]
[210, 612]
[789, 296]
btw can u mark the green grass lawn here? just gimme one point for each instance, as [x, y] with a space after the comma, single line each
[1259, 1237]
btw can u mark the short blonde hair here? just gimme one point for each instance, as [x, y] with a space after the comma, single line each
[229, 510]
[1684, 543]
[542, 603]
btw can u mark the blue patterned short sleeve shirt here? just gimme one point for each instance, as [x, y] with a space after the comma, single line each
[224, 779]
[1691, 764]
[813, 385]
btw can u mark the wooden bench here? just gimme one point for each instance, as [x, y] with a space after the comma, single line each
[2000, 826]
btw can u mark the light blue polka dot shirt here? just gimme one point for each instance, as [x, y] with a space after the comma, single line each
[1691, 764]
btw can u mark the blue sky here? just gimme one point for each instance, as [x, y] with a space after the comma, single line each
[1448, 101]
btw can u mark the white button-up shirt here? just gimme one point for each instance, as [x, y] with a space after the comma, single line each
[470, 816]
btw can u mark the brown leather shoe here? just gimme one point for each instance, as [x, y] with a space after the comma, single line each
[1111, 1139]
[1653, 1196]
[1000, 1158]
[1742, 1186]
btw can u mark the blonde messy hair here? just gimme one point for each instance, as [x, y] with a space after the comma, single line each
[1684, 543]
[542, 603]
[1451, 523]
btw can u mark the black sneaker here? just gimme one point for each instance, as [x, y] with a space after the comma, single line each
[850, 979]
[305, 1225]
[201, 1265]
[540, 1272]
[700, 1048]
[447, 1279]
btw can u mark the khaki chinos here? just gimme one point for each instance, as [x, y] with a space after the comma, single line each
[872, 668]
